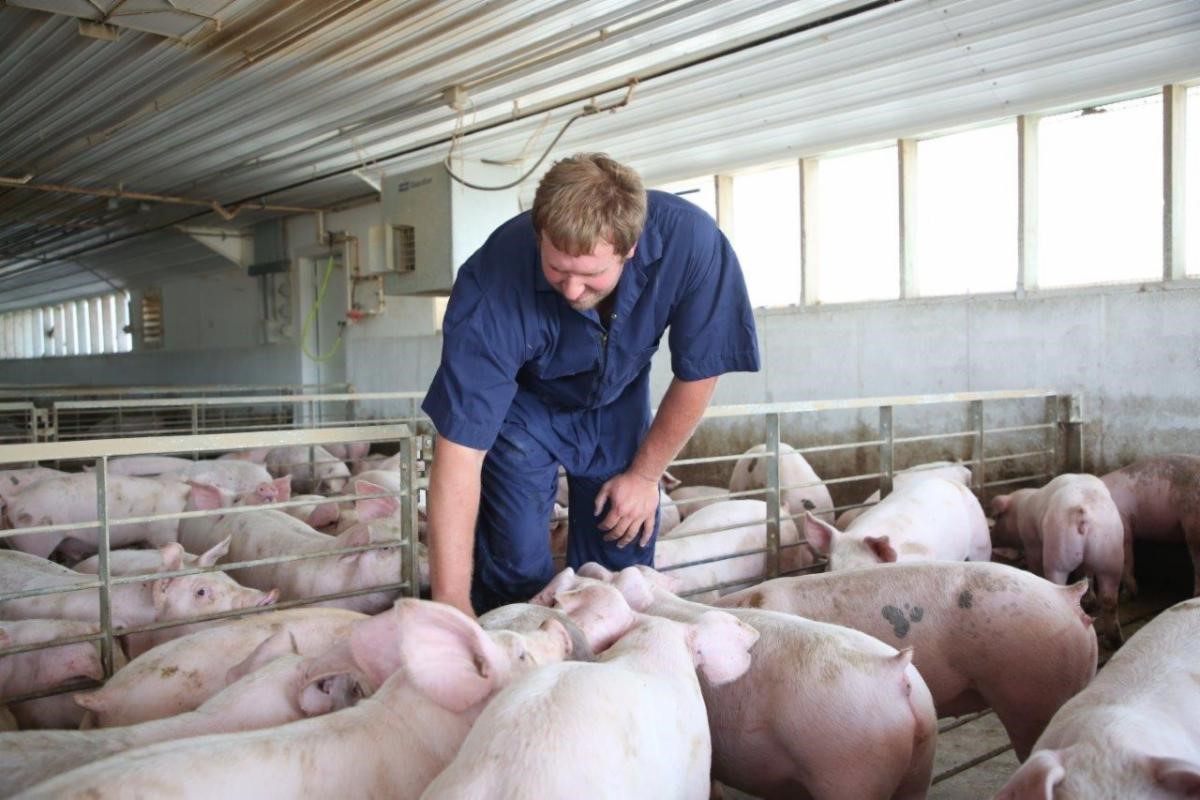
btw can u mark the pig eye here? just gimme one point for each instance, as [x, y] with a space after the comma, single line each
[202, 592]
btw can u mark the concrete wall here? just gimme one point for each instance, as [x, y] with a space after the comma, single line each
[211, 334]
[1132, 351]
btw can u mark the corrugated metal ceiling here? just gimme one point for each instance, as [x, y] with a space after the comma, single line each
[287, 91]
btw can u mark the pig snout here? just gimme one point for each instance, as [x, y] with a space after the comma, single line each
[330, 693]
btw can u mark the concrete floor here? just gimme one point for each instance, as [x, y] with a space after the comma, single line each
[974, 758]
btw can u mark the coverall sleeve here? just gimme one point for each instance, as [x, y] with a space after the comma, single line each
[482, 345]
[712, 324]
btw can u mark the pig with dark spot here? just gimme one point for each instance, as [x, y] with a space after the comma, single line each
[1022, 645]
[1068, 524]
[435, 670]
[1133, 732]
[1159, 501]
[801, 487]
[766, 739]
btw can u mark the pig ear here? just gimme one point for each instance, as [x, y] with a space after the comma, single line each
[553, 626]
[598, 610]
[881, 546]
[658, 579]
[562, 582]
[1178, 776]
[282, 643]
[1001, 503]
[92, 701]
[819, 534]
[376, 507]
[1036, 778]
[324, 514]
[670, 482]
[635, 588]
[356, 535]
[445, 655]
[172, 556]
[215, 553]
[720, 645]
[593, 570]
[206, 497]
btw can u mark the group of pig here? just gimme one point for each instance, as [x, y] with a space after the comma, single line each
[40, 500]
[824, 686]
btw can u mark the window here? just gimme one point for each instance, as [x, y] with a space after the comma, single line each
[152, 318]
[766, 234]
[1100, 194]
[702, 191]
[858, 232]
[1192, 181]
[967, 212]
[78, 327]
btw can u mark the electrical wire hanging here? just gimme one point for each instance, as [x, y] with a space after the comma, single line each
[588, 110]
[312, 315]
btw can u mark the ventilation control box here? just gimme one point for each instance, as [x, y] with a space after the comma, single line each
[432, 224]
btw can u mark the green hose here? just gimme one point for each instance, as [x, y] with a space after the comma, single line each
[312, 314]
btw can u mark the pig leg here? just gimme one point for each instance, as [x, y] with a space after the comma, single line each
[1108, 586]
[1191, 533]
[1128, 581]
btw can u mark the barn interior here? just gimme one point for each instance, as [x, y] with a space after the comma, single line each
[969, 231]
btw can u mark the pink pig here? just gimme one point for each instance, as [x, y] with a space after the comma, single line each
[435, 670]
[930, 520]
[767, 742]
[631, 724]
[1132, 733]
[983, 634]
[1159, 501]
[271, 695]
[1069, 523]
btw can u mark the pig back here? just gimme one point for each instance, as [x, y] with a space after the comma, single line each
[180, 674]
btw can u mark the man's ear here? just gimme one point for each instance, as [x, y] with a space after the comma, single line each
[632, 250]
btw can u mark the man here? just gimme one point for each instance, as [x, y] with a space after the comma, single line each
[546, 354]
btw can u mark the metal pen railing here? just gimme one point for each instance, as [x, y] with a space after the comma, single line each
[102, 450]
[77, 419]
[1062, 450]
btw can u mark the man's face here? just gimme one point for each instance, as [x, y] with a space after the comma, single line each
[583, 280]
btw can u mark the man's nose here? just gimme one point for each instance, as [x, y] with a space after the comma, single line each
[572, 289]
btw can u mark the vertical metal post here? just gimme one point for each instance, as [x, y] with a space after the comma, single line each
[887, 451]
[1070, 411]
[106, 627]
[975, 423]
[773, 496]
[1054, 462]
[408, 511]
[195, 427]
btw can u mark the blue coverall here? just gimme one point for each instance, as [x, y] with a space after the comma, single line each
[536, 383]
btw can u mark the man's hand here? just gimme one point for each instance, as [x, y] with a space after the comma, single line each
[463, 604]
[633, 503]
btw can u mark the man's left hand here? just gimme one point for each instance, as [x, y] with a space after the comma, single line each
[632, 505]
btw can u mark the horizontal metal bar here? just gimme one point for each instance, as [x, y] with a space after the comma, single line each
[958, 722]
[825, 448]
[203, 443]
[26, 648]
[929, 437]
[246, 612]
[971, 762]
[872, 402]
[683, 462]
[73, 686]
[714, 559]
[26, 407]
[1007, 481]
[1041, 426]
[1015, 456]
[45, 590]
[244, 400]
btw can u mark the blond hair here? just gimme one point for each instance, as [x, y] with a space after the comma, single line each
[589, 198]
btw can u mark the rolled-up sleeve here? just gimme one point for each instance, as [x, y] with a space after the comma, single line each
[712, 324]
[477, 378]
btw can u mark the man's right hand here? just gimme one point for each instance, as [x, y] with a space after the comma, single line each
[452, 508]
